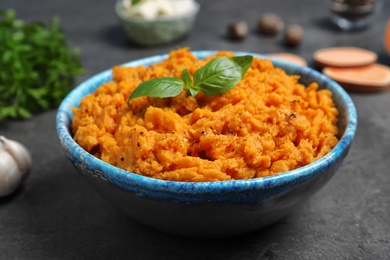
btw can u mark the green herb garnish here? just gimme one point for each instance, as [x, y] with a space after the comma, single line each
[134, 2]
[217, 77]
[37, 66]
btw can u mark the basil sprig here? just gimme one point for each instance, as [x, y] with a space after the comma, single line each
[217, 77]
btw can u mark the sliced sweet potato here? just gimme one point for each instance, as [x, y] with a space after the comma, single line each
[387, 37]
[370, 78]
[289, 57]
[344, 57]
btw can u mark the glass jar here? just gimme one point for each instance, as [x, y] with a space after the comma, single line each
[354, 14]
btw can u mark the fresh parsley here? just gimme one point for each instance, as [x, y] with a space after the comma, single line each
[38, 68]
[217, 77]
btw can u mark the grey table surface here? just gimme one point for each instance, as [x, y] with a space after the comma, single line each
[57, 215]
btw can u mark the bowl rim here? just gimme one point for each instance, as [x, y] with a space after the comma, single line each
[134, 19]
[156, 187]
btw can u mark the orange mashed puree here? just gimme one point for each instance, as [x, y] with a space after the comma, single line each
[267, 124]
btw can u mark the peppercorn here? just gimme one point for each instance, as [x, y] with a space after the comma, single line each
[238, 30]
[270, 24]
[293, 35]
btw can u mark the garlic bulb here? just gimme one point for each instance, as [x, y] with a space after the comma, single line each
[15, 164]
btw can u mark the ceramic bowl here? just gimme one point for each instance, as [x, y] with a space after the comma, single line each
[208, 209]
[157, 31]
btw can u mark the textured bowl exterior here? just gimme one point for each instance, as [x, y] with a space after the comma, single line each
[209, 209]
[158, 31]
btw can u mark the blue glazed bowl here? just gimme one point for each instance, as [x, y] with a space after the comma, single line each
[208, 209]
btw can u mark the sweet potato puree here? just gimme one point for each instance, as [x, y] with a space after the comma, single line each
[267, 124]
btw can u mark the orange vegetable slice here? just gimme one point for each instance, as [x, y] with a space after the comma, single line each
[344, 57]
[289, 57]
[370, 78]
[387, 37]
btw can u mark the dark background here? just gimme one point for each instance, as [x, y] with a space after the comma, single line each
[57, 215]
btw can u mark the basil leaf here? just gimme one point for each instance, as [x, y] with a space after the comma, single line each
[186, 77]
[158, 87]
[193, 91]
[221, 74]
[217, 77]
